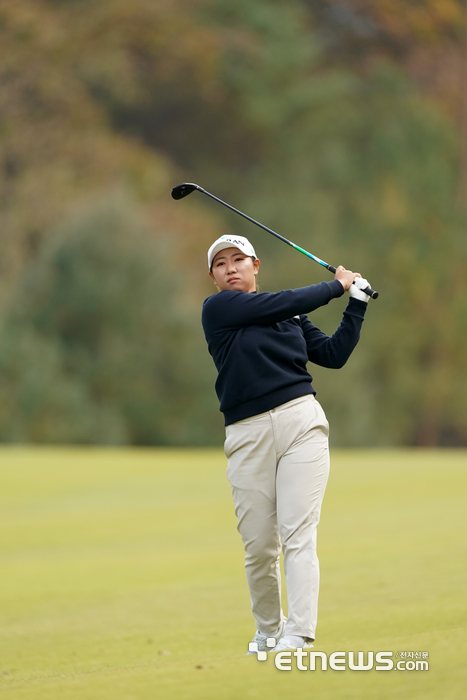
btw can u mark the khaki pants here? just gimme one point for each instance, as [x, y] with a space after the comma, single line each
[278, 466]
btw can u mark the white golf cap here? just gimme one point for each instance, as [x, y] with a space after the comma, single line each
[223, 242]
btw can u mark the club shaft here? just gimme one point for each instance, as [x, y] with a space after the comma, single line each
[371, 292]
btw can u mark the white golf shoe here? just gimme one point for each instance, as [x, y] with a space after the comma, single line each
[259, 641]
[290, 643]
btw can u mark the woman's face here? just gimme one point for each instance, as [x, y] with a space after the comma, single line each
[232, 269]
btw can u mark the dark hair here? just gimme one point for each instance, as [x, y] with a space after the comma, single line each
[250, 256]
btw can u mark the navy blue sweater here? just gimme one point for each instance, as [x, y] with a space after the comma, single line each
[261, 344]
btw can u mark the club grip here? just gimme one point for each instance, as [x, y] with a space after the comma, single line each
[371, 292]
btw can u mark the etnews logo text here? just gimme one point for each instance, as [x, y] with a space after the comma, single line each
[341, 660]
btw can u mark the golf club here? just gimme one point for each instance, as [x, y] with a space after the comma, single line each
[186, 188]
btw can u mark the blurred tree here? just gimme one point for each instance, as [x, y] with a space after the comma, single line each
[462, 183]
[423, 36]
[56, 143]
[99, 346]
[317, 131]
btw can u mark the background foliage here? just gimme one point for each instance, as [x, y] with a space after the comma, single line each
[339, 124]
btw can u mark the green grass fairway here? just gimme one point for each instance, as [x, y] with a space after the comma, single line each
[121, 577]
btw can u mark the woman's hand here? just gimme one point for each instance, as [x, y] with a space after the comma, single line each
[345, 277]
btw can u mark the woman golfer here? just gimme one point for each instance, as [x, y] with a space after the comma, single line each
[276, 431]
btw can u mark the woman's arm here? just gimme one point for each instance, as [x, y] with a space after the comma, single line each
[334, 351]
[236, 309]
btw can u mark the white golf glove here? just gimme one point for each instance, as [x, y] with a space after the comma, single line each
[356, 288]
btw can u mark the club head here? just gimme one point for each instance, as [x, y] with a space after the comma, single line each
[180, 191]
